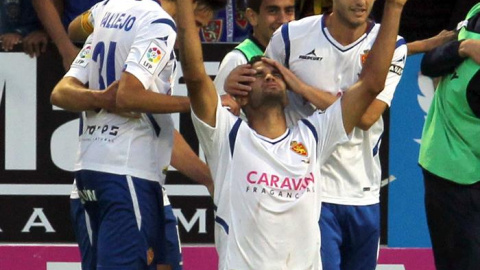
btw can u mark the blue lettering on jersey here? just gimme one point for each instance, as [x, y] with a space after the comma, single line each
[118, 21]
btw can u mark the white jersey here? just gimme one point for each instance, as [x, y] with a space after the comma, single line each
[136, 37]
[267, 190]
[352, 175]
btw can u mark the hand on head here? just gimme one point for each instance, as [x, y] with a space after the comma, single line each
[237, 82]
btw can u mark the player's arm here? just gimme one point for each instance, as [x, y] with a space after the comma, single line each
[444, 59]
[72, 95]
[372, 79]
[201, 90]
[425, 45]
[133, 97]
[186, 161]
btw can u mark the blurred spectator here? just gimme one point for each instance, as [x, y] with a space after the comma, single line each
[55, 16]
[423, 19]
[313, 7]
[228, 25]
[19, 24]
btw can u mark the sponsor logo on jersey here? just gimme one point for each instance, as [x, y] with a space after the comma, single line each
[152, 57]
[212, 32]
[311, 56]
[396, 69]
[363, 56]
[281, 186]
[84, 56]
[299, 148]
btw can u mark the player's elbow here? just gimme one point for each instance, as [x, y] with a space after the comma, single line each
[374, 84]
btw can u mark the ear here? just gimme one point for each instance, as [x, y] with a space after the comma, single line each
[251, 16]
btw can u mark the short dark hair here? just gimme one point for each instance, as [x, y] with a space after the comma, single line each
[254, 5]
[255, 59]
[212, 4]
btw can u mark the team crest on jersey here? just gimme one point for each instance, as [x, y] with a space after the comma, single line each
[152, 57]
[212, 32]
[240, 18]
[298, 148]
[150, 256]
[84, 56]
[363, 56]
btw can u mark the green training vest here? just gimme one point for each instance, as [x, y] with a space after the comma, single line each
[249, 49]
[451, 136]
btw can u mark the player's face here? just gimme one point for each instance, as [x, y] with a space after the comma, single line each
[272, 14]
[202, 16]
[269, 85]
[354, 13]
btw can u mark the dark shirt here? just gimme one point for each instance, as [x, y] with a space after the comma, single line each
[18, 16]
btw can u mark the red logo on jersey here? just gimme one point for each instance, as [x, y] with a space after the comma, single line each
[241, 19]
[298, 148]
[212, 32]
[363, 56]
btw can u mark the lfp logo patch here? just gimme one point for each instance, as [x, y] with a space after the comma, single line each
[152, 57]
[84, 56]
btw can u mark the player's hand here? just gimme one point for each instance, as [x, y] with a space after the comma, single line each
[9, 40]
[237, 82]
[231, 103]
[293, 82]
[35, 43]
[108, 101]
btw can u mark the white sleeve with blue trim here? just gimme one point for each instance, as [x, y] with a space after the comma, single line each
[151, 50]
[395, 72]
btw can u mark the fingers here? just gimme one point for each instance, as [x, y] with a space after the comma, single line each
[238, 81]
[9, 41]
[231, 103]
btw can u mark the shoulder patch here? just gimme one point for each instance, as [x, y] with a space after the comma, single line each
[83, 58]
[152, 56]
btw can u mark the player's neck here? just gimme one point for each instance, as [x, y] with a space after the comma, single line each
[261, 40]
[343, 32]
[268, 122]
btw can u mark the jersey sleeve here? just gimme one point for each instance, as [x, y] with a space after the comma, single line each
[395, 71]
[151, 50]
[329, 129]
[229, 62]
[79, 67]
[276, 47]
[214, 140]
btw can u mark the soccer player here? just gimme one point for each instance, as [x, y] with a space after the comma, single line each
[121, 157]
[328, 52]
[265, 16]
[266, 175]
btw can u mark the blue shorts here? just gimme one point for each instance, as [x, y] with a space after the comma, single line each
[173, 248]
[350, 236]
[77, 215]
[126, 220]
